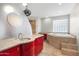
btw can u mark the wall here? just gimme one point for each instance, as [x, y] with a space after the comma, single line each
[38, 25]
[74, 22]
[47, 23]
[7, 31]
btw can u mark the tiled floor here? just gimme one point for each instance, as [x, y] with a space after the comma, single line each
[49, 50]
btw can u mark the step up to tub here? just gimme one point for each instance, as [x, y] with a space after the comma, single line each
[69, 49]
[69, 52]
[69, 40]
[69, 46]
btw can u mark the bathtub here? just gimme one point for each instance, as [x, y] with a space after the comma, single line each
[56, 39]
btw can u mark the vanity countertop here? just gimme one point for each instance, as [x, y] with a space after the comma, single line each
[11, 42]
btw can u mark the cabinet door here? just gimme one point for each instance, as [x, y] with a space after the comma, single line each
[14, 51]
[28, 49]
[38, 45]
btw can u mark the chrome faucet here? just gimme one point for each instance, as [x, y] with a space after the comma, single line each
[20, 36]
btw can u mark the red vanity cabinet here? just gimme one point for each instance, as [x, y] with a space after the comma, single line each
[27, 49]
[38, 45]
[32, 48]
[14, 51]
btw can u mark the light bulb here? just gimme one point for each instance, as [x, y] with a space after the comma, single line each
[24, 4]
[60, 4]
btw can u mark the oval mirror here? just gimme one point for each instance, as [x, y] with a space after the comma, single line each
[14, 19]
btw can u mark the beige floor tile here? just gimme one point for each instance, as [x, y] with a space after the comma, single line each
[49, 50]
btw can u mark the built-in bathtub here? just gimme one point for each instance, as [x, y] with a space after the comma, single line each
[56, 39]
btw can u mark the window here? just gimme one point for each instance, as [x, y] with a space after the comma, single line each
[61, 25]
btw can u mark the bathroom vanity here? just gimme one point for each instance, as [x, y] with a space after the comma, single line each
[25, 47]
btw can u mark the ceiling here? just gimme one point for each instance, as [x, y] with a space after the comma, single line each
[50, 9]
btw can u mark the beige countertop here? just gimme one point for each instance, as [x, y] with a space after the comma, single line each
[11, 42]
